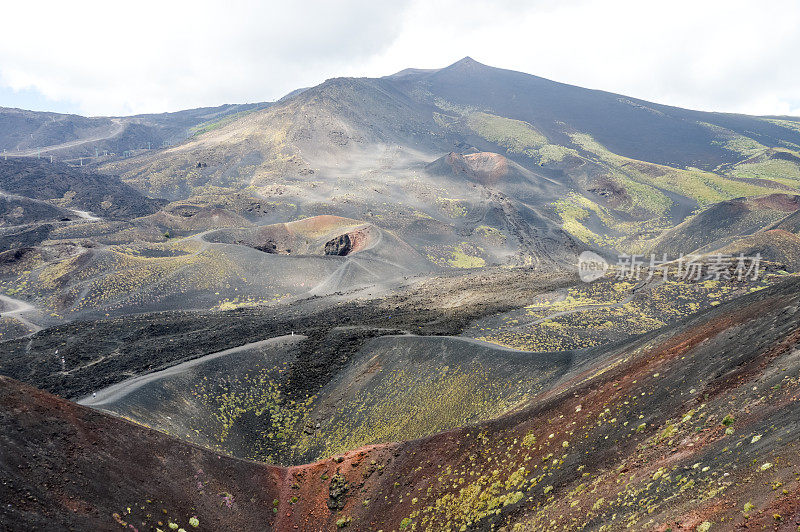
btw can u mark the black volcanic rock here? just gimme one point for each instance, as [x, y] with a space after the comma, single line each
[341, 245]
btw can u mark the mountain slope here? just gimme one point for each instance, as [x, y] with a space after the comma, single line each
[469, 166]
[608, 160]
[67, 467]
[686, 427]
[334, 125]
[31, 133]
[630, 127]
[724, 222]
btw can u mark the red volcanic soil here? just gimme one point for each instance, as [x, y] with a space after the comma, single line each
[362, 238]
[486, 168]
[692, 426]
[319, 224]
[778, 202]
[64, 467]
[778, 246]
[657, 435]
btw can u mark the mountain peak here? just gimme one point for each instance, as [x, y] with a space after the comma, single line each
[467, 61]
[467, 66]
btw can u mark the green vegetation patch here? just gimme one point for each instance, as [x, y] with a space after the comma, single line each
[735, 142]
[704, 187]
[517, 137]
[460, 256]
[606, 310]
[780, 170]
[211, 125]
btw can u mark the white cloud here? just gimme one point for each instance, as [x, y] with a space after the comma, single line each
[165, 55]
[112, 58]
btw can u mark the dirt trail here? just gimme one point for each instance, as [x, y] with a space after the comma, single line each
[83, 215]
[118, 391]
[86, 215]
[582, 308]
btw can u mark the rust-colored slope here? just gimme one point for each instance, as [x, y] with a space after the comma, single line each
[676, 430]
[695, 426]
[64, 466]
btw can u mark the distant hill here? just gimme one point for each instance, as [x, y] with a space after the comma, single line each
[627, 126]
[31, 133]
[727, 221]
[469, 166]
[74, 188]
[613, 171]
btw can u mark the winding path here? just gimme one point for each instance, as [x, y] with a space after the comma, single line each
[582, 308]
[117, 391]
[83, 215]
[86, 215]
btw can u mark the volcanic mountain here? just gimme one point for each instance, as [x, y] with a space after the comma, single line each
[357, 307]
[587, 160]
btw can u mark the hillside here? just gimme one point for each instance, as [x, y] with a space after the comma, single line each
[74, 188]
[70, 137]
[59, 461]
[698, 419]
[607, 160]
[358, 308]
[552, 168]
[626, 126]
[726, 221]
[459, 168]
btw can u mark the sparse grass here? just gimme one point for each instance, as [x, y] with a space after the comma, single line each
[595, 314]
[735, 142]
[704, 187]
[461, 256]
[460, 259]
[785, 172]
[211, 125]
[491, 234]
[517, 137]
[453, 208]
[788, 124]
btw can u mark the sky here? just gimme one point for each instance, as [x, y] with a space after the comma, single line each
[117, 58]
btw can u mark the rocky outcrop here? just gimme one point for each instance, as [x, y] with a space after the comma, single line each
[337, 492]
[341, 245]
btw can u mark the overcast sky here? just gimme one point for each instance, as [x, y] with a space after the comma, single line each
[101, 58]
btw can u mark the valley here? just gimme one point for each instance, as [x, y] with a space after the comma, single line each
[359, 306]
